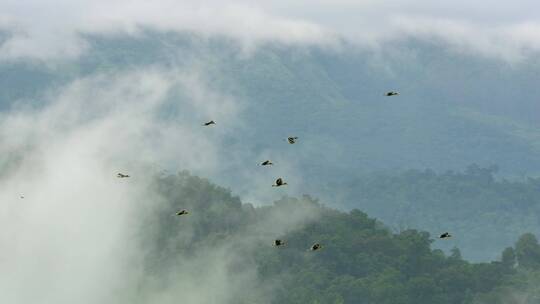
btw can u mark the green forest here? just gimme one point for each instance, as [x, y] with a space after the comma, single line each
[361, 260]
[487, 212]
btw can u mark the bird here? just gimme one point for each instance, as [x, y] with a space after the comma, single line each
[292, 139]
[315, 246]
[120, 175]
[445, 235]
[279, 182]
[211, 122]
[391, 93]
[278, 243]
[266, 163]
[182, 212]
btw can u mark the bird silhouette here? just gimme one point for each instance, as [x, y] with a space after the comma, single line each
[315, 247]
[266, 163]
[278, 243]
[292, 139]
[211, 122]
[445, 235]
[120, 175]
[279, 183]
[391, 93]
[182, 212]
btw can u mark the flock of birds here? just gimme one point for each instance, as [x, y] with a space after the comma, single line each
[278, 183]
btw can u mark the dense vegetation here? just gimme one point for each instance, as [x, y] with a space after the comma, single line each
[485, 213]
[361, 261]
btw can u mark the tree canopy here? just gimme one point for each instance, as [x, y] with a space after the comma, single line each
[361, 260]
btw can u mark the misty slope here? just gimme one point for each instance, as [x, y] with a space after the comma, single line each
[222, 253]
[485, 214]
[334, 101]
[454, 110]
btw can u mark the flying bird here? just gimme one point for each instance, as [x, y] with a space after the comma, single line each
[315, 246]
[279, 182]
[292, 139]
[266, 163]
[120, 175]
[211, 122]
[391, 93]
[182, 212]
[445, 235]
[278, 243]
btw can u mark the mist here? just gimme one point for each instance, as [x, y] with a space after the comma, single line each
[54, 30]
[71, 230]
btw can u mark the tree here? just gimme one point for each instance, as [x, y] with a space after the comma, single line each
[528, 252]
[509, 257]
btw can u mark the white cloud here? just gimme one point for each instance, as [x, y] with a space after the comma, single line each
[513, 42]
[69, 238]
[73, 237]
[50, 29]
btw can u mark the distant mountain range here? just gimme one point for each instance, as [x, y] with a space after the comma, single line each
[454, 109]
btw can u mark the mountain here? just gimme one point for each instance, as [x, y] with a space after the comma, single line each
[455, 109]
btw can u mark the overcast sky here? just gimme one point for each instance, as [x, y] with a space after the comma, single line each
[49, 28]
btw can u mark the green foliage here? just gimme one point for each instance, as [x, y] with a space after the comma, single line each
[483, 214]
[509, 258]
[528, 252]
[522, 284]
[361, 260]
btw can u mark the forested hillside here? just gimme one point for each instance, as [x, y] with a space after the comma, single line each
[486, 213]
[361, 261]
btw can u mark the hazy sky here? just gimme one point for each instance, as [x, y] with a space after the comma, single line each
[49, 28]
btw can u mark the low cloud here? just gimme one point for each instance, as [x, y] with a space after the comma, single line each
[75, 236]
[69, 238]
[51, 30]
[514, 42]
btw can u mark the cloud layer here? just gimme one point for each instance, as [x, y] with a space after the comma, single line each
[51, 29]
